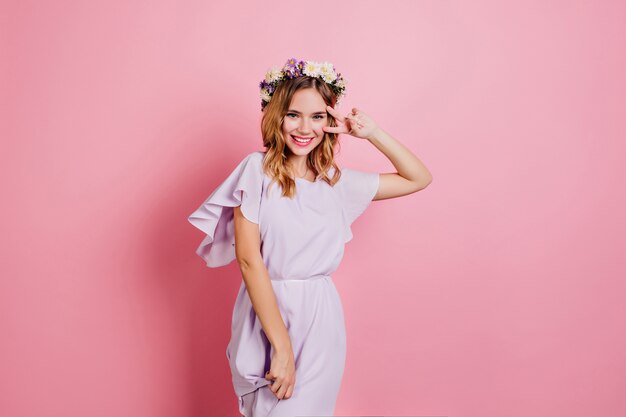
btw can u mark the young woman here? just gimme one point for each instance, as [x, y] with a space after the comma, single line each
[285, 214]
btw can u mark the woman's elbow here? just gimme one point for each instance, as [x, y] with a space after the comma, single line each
[248, 261]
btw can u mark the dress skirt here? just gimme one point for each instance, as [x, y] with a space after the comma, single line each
[313, 314]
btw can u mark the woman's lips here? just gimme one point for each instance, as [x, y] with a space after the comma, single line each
[298, 140]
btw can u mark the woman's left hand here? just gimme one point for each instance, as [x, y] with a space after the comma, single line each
[357, 123]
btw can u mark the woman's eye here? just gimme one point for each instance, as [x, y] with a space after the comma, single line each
[318, 116]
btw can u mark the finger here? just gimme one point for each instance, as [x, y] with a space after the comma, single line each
[272, 378]
[334, 129]
[272, 390]
[357, 121]
[274, 387]
[289, 391]
[334, 113]
[281, 392]
[352, 121]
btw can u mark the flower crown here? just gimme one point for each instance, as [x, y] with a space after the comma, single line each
[294, 68]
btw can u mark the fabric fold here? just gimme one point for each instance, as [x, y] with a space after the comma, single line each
[215, 217]
[356, 189]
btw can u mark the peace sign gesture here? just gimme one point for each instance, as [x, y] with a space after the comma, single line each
[357, 123]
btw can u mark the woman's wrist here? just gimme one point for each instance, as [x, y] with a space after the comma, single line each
[376, 134]
[282, 344]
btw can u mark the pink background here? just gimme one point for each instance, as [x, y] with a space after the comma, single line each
[497, 291]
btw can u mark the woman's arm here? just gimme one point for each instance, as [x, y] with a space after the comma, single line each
[412, 174]
[261, 292]
[257, 280]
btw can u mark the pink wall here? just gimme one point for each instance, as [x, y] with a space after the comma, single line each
[497, 291]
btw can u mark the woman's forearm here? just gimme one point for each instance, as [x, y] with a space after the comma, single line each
[408, 165]
[261, 292]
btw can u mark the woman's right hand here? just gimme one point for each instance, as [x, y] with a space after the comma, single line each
[282, 372]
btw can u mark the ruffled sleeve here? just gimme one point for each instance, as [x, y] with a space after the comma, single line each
[356, 190]
[215, 217]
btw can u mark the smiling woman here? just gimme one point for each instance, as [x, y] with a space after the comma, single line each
[302, 140]
[288, 343]
[304, 121]
[293, 131]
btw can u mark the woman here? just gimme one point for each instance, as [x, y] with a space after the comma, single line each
[285, 215]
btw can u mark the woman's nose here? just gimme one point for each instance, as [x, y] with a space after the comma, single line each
[304, 125]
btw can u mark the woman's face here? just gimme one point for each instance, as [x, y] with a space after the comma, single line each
[304, 119]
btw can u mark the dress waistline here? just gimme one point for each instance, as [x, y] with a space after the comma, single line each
[312, 277]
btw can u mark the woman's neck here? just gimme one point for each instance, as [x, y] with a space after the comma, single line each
[298, 165]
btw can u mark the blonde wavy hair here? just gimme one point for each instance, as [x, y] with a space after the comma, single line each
[320, 159]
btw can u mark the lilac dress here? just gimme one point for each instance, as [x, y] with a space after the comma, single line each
[302, 245]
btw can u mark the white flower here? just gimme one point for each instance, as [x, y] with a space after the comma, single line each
[329, 77]
[327, 66]
[327, 72]
[272, 75]
[311, 69]
[265, 96]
